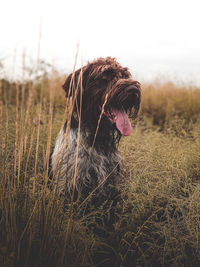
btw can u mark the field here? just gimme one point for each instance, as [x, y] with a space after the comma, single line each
[159, 216]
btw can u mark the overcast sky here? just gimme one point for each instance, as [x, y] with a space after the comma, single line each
[152, 37]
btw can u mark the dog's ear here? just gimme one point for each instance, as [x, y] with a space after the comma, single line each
[72, 83]
[76, 81]
[74, 86]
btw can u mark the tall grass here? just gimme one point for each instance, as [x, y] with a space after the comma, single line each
[171, 107]
[159, 216]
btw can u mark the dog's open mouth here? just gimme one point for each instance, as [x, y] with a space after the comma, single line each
[121, 120]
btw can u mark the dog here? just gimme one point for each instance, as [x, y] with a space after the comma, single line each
[85, 161]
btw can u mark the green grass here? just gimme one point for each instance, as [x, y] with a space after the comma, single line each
[159, 217]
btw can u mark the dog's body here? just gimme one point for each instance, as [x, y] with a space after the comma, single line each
[94, 168]
[85, 158]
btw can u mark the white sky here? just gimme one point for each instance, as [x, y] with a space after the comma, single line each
[151, 37]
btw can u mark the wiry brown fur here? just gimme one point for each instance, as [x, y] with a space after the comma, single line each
[95, 90]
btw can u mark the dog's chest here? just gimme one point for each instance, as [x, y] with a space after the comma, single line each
[90, 166]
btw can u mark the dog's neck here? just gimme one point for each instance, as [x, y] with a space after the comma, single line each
[103, 140]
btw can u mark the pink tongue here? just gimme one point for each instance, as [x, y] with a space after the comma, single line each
[122, 122]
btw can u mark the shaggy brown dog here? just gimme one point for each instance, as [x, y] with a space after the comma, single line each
[85, 159]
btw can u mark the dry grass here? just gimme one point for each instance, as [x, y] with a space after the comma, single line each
[171, 107]
[160, 211]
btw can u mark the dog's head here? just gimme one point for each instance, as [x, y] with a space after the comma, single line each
[103, 87]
